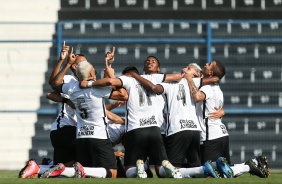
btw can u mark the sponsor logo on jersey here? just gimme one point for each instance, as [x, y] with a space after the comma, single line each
[187, 124]
[148, 121]
[223, 128]
[86, 130]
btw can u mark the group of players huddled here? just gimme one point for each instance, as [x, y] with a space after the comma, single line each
[171, 121]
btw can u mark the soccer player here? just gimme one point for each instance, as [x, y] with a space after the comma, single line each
[63, 131]
[183, 132]
[143, 138]
[93, 146]
[214, 135]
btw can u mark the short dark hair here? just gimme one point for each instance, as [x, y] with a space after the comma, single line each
[219, 69]
[130, 68]
[154, 58]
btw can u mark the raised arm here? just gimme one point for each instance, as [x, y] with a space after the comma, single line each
[173, 77]
[210, 80]
[56, 97]
[57, 82]
[63, 55]
[196, 94]
[158, 89]
[112, 106]
[110, 57]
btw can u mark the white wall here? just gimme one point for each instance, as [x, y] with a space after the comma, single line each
[22, 73]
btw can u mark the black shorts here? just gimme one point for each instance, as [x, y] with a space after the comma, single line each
[92, 152]
[212, 149]
[142, 143]
[183, 148]
[63, 142]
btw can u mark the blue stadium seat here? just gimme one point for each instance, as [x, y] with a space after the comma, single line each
[71, 30]
[187, 30]
[244, 30]
[221, 30]
[270, 30]
[259, 122]
[156, 29]
[130, 30]
[99, 29]
[252, 99]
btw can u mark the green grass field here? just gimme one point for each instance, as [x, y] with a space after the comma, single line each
[11, 177]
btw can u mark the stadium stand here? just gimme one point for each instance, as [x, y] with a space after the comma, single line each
[176, 33]
[251, 70]
[164, 9]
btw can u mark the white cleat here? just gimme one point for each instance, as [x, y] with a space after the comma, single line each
[171, 171]
[141, 173]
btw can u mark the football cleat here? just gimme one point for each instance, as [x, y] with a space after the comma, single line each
[141, 173]
[53, 171]
[209, 170]
[255, 169]
[262, 162]
[171, 171]
[45, 161]
[223, 167]
[30, 170]
[78, 170]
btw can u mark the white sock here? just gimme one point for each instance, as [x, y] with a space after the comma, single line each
[162, 172]
[68, 172]
[131, 172]
[95, 172]
[240, 168]
[190, 172]
[43, 168]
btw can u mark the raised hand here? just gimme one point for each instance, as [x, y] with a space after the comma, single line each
[110, 57]
[72, 57]
[64, 51]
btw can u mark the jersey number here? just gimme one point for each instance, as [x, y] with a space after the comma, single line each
[83, 112]
[143, 96]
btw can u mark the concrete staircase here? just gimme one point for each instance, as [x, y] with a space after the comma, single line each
[23, 67]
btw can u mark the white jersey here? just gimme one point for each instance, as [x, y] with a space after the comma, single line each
[141, 106]
[66, 115]
[214, 98]
[181, 107]
[90, 109]
[115, 131]
[156, 79]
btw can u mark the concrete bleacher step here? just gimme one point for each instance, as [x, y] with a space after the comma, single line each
[23, 70]
[43, 129]
[13, 159]
[38, 154]
[40, 142]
